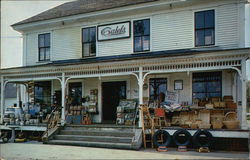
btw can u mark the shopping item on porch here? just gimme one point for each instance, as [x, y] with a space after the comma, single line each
[125, 112]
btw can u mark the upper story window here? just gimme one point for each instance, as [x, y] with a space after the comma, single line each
[89, 42]
[44, 47]
[142, 35]
[204, 28]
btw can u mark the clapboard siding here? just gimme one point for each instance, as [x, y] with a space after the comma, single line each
[170, 29]
[66, 43]
[114, 47]
[32, 49]
[227, 26]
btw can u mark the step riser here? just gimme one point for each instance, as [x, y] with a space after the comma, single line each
[89, 133]
[98, 129]
[95, 139]
[93, 145]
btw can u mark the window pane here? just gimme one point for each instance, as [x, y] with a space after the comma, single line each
[137, 44]
[43, 93]
[208, 86]
[146, 27]
[75, 93]
[85, 36]
[92, 35]
[86, 49]
[199, 87]
[47, 40]
[209, 36]
[157, 86]
[199, 20]
[209, 18]
[213, 86]
[47, 56]
[41, 54]
[199, 37]
[145, 43]
[138, 28]
[41, 40]
[199, 95]
[93, 48]
[214, 95]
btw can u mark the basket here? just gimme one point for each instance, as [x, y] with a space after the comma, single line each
[216, 118]
[232, 124]
[231, 105]
[193, 116]
[231, 116]
[194, 126]
[209, 106]
[227, 98]
[215, 99]
[184, 116]
[222, 104]
[204, 115]
[217, 125]
[216, 104]
[204, 125]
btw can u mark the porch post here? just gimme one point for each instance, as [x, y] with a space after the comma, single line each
[244, 95]
[2, 99]
[18, 95]
[63, 99]
[140, 83]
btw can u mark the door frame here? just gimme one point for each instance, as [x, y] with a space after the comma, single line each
[112, 79]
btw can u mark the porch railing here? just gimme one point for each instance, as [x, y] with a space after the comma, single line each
[50, 124]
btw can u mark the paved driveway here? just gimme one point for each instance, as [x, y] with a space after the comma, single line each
[41, 151]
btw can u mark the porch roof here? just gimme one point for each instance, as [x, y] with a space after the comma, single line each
[147, 55]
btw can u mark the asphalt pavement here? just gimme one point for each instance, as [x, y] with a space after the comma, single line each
[35, 151]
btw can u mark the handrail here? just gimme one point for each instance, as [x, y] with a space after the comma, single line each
[49, 119]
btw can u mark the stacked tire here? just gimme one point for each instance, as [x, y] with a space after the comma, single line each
[201, 138]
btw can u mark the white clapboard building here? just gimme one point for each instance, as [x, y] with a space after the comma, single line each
[136, 49]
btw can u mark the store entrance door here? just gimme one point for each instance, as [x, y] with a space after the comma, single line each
[112, 92]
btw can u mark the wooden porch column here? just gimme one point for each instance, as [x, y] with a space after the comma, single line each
[2, 99]
[18, 94]
[244, 95]
[140, 83]
[63, 86]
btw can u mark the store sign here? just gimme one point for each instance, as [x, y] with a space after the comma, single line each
[114, 31]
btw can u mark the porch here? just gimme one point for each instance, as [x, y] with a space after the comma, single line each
[136, 75]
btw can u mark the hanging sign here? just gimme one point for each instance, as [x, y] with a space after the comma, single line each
[171, 97]
[114, 31]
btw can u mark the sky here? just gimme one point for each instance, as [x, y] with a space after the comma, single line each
[11, 41]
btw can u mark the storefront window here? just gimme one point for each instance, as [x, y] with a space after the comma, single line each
[206, 85]
[43, 93]
[75, 93]
[158, 86]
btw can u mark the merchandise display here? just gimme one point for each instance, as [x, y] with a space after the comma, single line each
[126, 112]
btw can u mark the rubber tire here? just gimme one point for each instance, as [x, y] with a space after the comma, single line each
[5, 140]
[187, 135]
[197, 135]
[165, 134]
